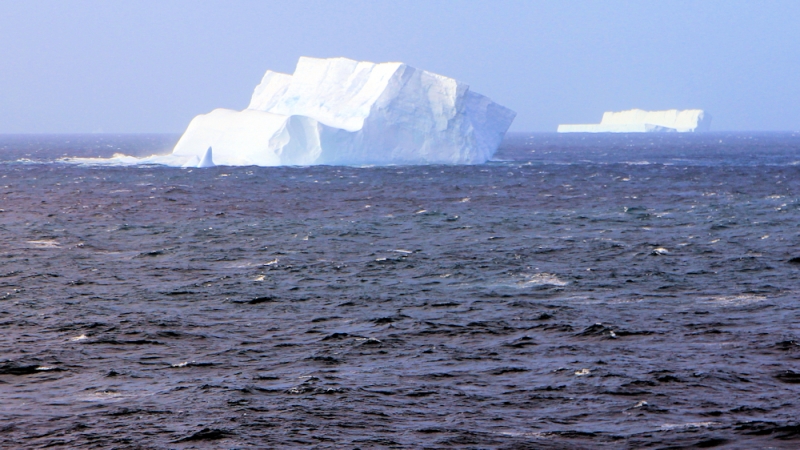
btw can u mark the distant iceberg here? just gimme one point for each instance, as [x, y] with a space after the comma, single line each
[340, 111]
[639, 121]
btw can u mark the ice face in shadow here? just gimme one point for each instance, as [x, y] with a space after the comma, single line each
[340, 111]
[639, 121]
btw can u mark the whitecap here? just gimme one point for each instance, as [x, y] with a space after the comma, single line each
[44, 243]
[683, 426]
[735, 300]
[540, 279]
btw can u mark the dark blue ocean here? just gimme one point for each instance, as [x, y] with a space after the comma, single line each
[579, 291]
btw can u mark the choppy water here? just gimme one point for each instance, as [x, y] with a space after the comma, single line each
[581, 292]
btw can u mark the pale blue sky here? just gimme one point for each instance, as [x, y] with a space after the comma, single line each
[150, 66]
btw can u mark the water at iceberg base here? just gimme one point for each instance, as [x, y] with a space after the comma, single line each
[577, 292]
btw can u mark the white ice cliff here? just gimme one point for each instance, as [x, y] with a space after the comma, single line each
[340, 111]
[637, 121]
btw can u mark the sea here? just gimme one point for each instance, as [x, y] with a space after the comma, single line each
[576, 292]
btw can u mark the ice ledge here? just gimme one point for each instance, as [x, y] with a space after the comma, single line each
[622, 128]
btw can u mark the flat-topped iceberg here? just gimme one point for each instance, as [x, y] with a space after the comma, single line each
[639, 121]
[340, 111]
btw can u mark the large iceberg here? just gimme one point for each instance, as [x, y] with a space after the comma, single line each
[639, 121]
[340, 111]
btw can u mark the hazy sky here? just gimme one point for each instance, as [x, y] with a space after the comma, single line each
[150, 66]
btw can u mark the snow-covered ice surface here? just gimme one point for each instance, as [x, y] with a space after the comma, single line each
[342, 112]
[639, 121]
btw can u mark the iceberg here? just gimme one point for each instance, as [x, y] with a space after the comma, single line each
[639, 121]
[339, 111]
